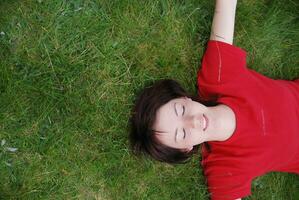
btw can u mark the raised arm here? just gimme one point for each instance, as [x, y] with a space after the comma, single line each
[224, 21]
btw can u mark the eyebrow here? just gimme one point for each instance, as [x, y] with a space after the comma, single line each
[175, 109]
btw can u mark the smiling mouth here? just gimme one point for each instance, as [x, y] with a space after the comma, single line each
[205, 122]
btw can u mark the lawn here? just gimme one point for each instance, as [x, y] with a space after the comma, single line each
[70, 70]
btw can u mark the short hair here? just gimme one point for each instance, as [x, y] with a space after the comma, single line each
[142, 136]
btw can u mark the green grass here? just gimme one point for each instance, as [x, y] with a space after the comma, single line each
[69, 71]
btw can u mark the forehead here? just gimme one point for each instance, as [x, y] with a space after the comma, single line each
[166, 118]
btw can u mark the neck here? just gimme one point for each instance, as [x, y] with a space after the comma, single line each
[223, 123]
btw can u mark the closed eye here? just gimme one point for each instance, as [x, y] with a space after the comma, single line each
[176, 110]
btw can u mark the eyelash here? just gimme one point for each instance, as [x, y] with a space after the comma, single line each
[183, 128]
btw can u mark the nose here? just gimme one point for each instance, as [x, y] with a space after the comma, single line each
[192, 122]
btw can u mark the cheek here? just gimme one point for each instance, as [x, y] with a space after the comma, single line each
[166, 141]
[195, 136]
[201, 107]
[197, 106]
[189, 137]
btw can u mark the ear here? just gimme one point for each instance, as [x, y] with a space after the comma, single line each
[189, 149]
[187, 98]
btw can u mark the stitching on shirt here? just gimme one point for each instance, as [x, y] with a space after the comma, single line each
[221, 175]
[263, 122]
[226, 186]
[220, 63]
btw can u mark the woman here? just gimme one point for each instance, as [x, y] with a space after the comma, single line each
[249, 123]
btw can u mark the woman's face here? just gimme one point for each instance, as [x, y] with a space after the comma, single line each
[182, 123]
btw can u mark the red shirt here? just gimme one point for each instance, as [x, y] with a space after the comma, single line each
[266, 137]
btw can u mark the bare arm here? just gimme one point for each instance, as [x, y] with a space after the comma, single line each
[224, 21]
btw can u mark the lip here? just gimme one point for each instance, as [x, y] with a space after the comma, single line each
[205, 122]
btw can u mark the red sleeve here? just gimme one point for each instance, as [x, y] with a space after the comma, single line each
[226, 181]
[227, 177]
[222, 62]
[228, 186]
[223, 66]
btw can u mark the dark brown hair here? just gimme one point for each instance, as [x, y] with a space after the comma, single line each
[142, 136]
